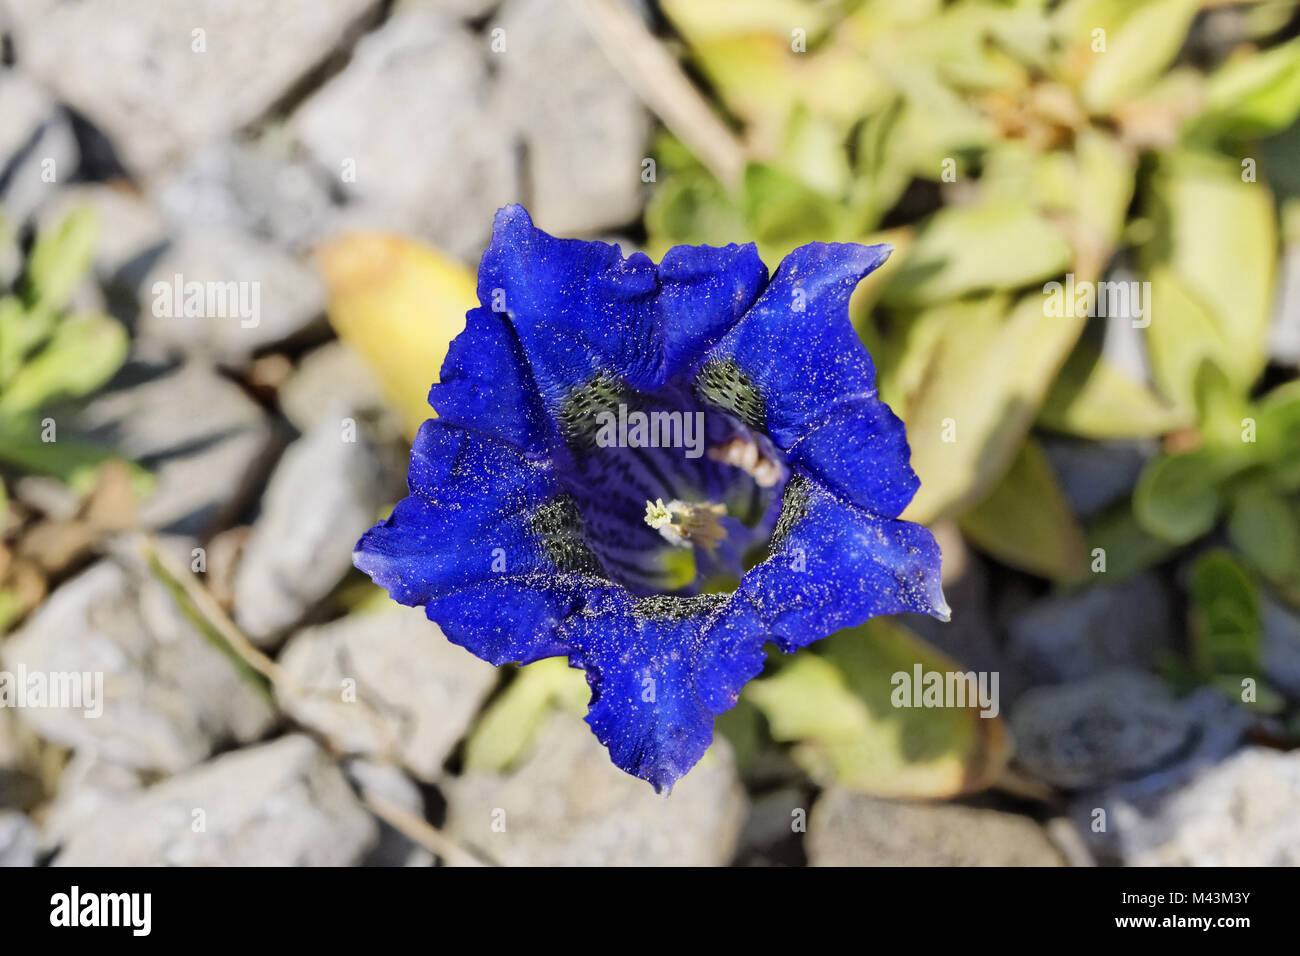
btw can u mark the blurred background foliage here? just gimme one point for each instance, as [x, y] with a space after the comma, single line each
[998, 146]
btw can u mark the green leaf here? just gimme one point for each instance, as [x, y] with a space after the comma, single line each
[814, 153]
[1253, 94]
[1219, 236]
[59, 260]
[1225, 616]
[962, 249]
[1143, 46]
[782, 212]
[1265, 527]
[1177, 498]
[1123, 544]
[1278, 435]
[12, 607]
[508, 725]
[688, 205]
[837, 707]
[74, 463]
[21, 330]
[1026, 521]
[1092, 399]
[83, 354]
[986, 381]
[1182, 336]
[883, 173]
[1223, 414]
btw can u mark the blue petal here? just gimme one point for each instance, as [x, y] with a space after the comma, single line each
[860, 452]
[469, 532]
[834, 565]
[660, 671]
[704, 292]
[797, 346]
[486, 385]
[581, 309]
[509, 618]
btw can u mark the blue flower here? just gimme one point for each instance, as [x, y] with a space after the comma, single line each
[546, 518]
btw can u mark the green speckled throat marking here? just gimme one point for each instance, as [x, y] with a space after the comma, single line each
[794, 505]
[722, 383]
[559, 525]
[669, 607]
[581, 406]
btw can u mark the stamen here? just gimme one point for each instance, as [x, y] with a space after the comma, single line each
[683, 525]
[744, 453]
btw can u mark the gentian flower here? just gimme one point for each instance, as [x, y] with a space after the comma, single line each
[536, 528]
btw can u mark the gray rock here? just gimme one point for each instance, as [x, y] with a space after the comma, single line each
[38, 149]
[88, 785]
[1239, 813]
[393, 848]
[448, 165]
[325, 492]
[254, 188]
[168, 696]
[1100, 730]
[269, 297]
[411, 693]
[136, 69]
[1095, 473]
[567, 805]
[775, 820]
[585, 131]
[1105, 816]
[326, 376]
[1124, 345]
[47, 496]
[853, 829]
[1071, 637]
[206, 442]
[18, 840]
[464, 9]
[279, 804]
[1280, 649]
[972, 636]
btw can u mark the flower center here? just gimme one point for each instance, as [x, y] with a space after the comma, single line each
[683, 525]
[671, 489]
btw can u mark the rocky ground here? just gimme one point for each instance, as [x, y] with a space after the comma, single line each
[233, 161]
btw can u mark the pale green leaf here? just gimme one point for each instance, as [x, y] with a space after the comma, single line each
[1138, 51]
[987, 379]
[839, 709]
[82, 355]
[963, 249]
[1026, 521]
